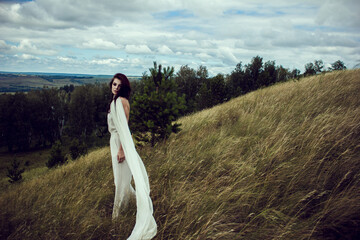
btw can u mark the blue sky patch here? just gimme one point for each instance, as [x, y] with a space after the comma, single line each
[318, 28]
[254, 13]
[174, 14]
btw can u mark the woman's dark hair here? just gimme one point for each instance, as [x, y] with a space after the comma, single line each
[125, 88]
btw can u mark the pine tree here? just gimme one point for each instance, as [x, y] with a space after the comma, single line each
[14, 173]
[155, 110]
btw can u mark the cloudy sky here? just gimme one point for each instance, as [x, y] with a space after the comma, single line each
[109, 36]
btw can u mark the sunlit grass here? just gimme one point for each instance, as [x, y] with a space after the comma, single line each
[278, 163]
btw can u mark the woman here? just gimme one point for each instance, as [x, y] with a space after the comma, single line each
[127, 163]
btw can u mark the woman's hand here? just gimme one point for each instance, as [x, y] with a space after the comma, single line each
[121, 155]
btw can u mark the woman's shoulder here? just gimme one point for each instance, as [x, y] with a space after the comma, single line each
[124, 101]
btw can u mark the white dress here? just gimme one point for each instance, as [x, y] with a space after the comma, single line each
[145, 226]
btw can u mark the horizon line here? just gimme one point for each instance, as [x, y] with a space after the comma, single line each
[62, 73]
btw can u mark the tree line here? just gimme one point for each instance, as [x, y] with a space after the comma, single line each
[39, 118]
[203, 92]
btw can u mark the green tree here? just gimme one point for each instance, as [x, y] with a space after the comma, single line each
[57, 157]
[338, 65]
[15, 123]
[309, 69]
[14, 172]
[252, 75]
[77, 149]
[188, 83]
[212, 92]
[202, 74]
[282, 74]
[318, 66]
[64, 98]
[313, 68]
[153, 113]
[68, 88]
[82, 112]
[295, 74]
[202, 98]
[47, 115]
[269, 75]
[235, 81]
[101, 95]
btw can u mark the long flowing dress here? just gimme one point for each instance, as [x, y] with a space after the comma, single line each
[145, 226]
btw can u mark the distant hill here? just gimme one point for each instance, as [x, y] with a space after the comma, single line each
[279, 163]
[23, 82]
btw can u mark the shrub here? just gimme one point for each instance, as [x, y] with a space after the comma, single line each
[57, 156]
[77, 149]
[14, 173]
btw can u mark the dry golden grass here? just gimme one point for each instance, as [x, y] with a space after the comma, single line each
[278, 163]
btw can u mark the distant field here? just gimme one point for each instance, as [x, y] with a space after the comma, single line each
[24, 82]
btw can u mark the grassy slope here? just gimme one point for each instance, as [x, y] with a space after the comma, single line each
[278, 163]
[36, 165]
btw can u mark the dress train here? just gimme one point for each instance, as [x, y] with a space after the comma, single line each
[145, 226]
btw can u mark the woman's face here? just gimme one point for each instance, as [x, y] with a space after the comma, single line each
[116, 85]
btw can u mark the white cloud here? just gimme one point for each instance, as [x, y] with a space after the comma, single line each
[26, 46]
[137, 49]
[165, 50]
[227, 56]
[99, 43]
[3, 46]
[340, 13]
[203, 56]
[29, 57]
[133, 34]
[185, 42]
[110, 61]
[67, 59]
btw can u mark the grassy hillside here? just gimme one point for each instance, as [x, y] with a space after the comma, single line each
[36, 165]
[278, 163]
